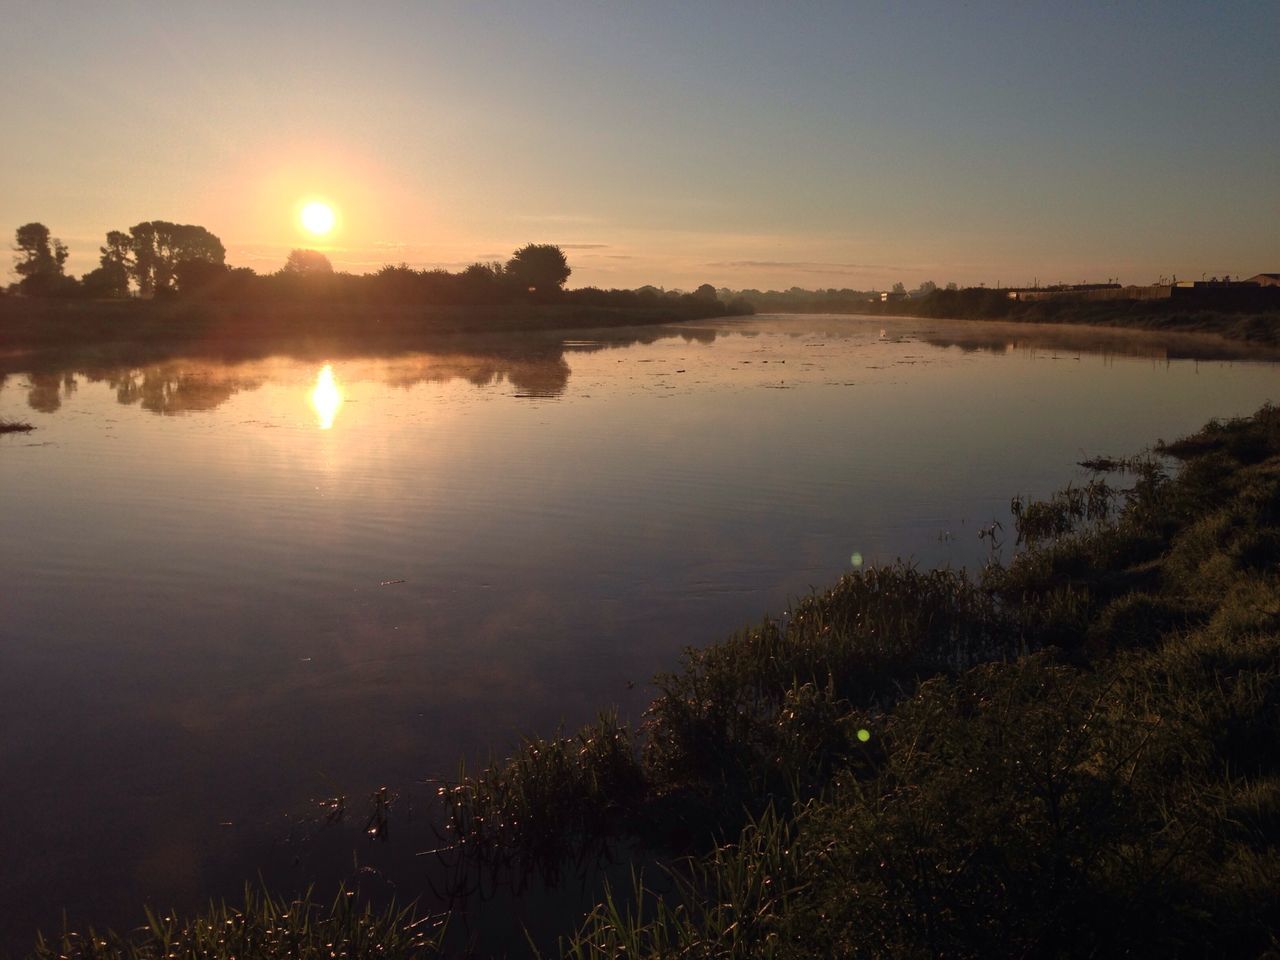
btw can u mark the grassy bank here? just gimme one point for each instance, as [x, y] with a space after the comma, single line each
[33, 324]
[1252, 324]
[57, 335]
[1069, 754]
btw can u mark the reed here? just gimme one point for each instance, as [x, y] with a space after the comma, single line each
[555, 801]
[262, 928]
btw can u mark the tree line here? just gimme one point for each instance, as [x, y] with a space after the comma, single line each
[159, 259]
[830, 300]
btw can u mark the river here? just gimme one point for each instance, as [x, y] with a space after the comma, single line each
[233, 588]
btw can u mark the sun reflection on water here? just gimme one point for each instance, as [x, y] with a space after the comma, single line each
[326, 397]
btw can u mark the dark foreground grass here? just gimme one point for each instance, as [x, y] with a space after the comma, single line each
[263, 927]
[1074, 754]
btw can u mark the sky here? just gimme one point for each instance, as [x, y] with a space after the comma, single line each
[744, 144]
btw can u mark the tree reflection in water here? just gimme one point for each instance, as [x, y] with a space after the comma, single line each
[534, 367]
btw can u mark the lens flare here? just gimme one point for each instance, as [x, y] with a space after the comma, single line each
[326, 397]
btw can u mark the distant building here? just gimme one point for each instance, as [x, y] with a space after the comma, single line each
[892, 297]
[1265, 279]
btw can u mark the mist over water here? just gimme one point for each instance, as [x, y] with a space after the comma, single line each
[231, 587]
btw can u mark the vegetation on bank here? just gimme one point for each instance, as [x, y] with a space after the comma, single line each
[1241, 320]
[1071, 754]
[67, 326]
[263, 926]
[143, 271]
[161, 273]
[14, 426]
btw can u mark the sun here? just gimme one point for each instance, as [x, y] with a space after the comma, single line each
[317, 218]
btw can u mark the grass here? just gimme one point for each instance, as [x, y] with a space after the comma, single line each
[1069, 755]
[263, 928]
[14, 426]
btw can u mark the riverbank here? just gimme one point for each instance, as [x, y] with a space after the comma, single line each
[1260, 326]
[34, 330]
[32, 327]
[1072, 753]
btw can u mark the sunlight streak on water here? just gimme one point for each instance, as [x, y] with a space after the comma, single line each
[326, 397]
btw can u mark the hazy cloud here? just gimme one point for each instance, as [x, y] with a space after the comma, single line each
[558, 218]
[582, 246]
[804, 266]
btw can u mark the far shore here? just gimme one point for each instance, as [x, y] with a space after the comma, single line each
[34, 331]
[1254, 325]
[37, 323]
[40, 330]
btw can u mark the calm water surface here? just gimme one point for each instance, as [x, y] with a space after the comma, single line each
[230, 588]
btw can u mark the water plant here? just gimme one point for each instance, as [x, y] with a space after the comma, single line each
[557, 800]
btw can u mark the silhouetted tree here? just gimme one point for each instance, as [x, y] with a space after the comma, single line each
[240, 283]
[39, 261]
[156, 247]
[706, 292]
[198, 278]
[483, 283]
[398, 283]
[111, 278]
[483, 273]
[118, 249]
[926, 288]
[952, 285]
[899, 288]
[108, 281]
[307, 263]
[540, 267]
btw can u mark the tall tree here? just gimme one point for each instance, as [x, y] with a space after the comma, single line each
[111, 278]
[39, 259]
[198, 278]
[541, 267]
[307, 263]
[156, 247]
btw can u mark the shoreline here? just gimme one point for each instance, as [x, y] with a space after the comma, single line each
[35, 327]
[1171, 316]
[38, 333]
